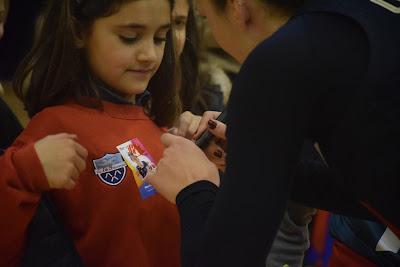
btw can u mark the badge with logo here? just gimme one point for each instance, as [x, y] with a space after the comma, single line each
[111, 168]
[141, 163]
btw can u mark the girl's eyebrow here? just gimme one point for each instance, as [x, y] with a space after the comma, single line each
[142, 26]
[181, 17]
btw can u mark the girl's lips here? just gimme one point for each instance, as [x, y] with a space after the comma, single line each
[144, 71]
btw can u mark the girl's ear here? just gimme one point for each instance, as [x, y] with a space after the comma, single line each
[80, 41]
[241, 12]
[80, 36]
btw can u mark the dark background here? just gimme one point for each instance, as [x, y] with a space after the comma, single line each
[18, 34]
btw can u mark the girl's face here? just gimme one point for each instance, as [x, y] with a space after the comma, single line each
[219, 26]
[223, 31]
[179, 19]
[125, 49]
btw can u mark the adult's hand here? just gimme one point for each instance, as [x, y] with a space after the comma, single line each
[217, 147]
[215, 152]
[183, 163]
[208, 121]
[192, 127]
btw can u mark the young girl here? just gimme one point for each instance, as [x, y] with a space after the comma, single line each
[203, 85]
[91, 59]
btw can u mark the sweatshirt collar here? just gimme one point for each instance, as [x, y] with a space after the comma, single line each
[107, 94]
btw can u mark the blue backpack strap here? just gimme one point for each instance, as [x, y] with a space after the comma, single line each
[363, 236]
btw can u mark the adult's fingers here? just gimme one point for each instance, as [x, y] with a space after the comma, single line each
[217, 128]
[151, 177]
[203, 125]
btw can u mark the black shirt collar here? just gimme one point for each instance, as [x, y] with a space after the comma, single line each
[108, 95]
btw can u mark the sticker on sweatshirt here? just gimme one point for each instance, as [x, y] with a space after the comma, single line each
[110, 168]
[141, 163]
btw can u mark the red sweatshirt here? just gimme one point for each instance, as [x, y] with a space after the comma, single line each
[110, 224]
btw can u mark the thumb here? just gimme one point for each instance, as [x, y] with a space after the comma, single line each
[168, 139]
[173, 131]
[151, 177]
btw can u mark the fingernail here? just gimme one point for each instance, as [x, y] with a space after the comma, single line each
[173, 131]
[218, 154]
[212, 124]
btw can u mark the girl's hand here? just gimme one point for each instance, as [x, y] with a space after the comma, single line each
[62, 159]
[183, 164]
[186, 125]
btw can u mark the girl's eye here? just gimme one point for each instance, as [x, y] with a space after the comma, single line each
[202, 18]
[127, 40]
[179, 24]
[160, 40]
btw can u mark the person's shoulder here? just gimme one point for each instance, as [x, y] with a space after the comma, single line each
[67, 110]
[307, 32]
[46, 122]
[307, 42]
[285, 53]
[56, 118]
[288, 44]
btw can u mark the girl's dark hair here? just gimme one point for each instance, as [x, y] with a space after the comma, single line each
[189, 63]
[55, 70]
[283, 4]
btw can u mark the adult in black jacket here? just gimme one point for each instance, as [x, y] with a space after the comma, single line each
[326, 70]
